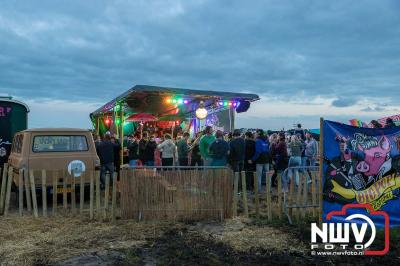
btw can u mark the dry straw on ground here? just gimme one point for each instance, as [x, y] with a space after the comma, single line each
[24, 241]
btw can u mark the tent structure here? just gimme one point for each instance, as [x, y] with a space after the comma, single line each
[166, 104]
[163, 102]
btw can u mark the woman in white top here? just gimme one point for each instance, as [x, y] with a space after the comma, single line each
[167, 149]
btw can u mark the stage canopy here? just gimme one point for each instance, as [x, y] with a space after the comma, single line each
[164, 101]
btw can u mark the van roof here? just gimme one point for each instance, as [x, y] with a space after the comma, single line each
[56, 130]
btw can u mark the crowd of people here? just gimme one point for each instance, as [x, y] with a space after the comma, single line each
[251, 152]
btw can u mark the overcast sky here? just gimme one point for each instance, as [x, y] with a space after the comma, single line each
[306, 59]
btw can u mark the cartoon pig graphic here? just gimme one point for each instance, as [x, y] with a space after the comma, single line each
[375, 157]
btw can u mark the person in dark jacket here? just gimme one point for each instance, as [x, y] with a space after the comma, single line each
[106, 150]
[237, 151]
[261, 157]
[279, 154]
[117, 153]
[195, 157]
[147, 147]
[142, 147]
[133, 151]
[183, 150]
[250, 150]
[149, 150]
[219, 150]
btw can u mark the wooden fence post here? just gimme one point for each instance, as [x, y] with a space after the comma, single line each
[91, 195]
[305, 195]
[82, 192]
[314, 194]
[73, 193]
[280, 196]
[8, 190]
[3, 187]
[27, 191]
[244, 192]
[65, 197]
[44, 193]
[256, 195]
[114, 198]
[321, 167]
[55, 182]
[106, 196]
[235, 193]
[34, 199]
[268, 200]
[98, 193]
[21, 191]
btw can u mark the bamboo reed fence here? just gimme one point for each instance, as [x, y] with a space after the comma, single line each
[159, 194]
[176, 194]
[69, 193]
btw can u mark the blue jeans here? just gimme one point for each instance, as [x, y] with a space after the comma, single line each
[104, 168]
[310, 161]
[303, 163]
[260, 168]
[294, 161]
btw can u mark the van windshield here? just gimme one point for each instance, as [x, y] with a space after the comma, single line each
[59, 143]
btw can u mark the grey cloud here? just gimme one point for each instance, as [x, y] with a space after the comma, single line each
[344, 102]
[373, 109]
[97, 49]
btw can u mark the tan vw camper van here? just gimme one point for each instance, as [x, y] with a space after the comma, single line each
[58, 150]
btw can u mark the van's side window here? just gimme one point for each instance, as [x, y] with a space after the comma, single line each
[52, 143]
[17, 143]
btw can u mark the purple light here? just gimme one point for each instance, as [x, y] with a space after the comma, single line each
[186, 101]
[234, 104]
[221, 103]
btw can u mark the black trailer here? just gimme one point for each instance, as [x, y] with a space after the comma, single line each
[13, 118]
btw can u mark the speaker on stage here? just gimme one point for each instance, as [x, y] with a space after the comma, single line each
[243, 106]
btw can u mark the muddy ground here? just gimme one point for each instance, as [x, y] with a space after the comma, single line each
[73, 241]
